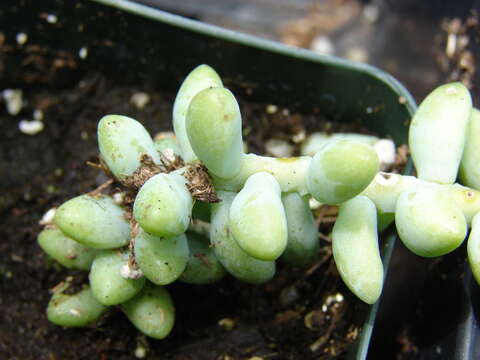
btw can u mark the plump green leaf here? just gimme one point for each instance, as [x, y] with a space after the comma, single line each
[151, 311]
[108, 279]
[94, 221]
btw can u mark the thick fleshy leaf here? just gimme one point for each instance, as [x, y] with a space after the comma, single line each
[151, 311]
[302, 247]
[437, 132]
[429, 222]
[257, 218]
[94, 221]
[163, 205]
[473, 248]
[106, 280]
[202, 77]
[203, 267]
[470, 164]
[122, 142]
[167, 142]
[66, 251]
[355, 248]
[79, 309]
[214, 128]
[236, 261]
[341, 170]
[162, 260]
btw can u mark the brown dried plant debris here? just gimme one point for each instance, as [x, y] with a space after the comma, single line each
[401, 158]
[199, 183]
[134, 229]
[171, 161]
[146, 170]
[98, 191]
[455, 51]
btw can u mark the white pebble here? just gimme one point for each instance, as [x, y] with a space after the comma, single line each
[299, 137]
[271, 109]
[385, 149]
[38, 115]
[322, 45]
[140, 352]
[139, 100]
[14, 100]
[278, 148]
[47, 218]
[371, 13]
[32, 127]
[21, 38]
[83, 53]
[52, 19]
[118, 198]
[358, 54]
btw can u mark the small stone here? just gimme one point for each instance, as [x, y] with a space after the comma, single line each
[371, 13]
[139, 100]
[38, 115]
[279, 148]
[21, 38]
[322, 45]
[299, 137]
[271, 109]
[227, 324]
[32, 127]
[140, 352]
[14, 100]
[357, 54]
[83, 53]
[118, 198]
[52, 18]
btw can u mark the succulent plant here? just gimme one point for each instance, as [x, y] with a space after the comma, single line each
[253, 209]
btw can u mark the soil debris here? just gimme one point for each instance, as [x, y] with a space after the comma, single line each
[199, 183]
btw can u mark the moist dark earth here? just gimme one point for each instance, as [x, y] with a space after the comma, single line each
[282, 319]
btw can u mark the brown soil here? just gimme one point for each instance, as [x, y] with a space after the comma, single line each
[279, 320]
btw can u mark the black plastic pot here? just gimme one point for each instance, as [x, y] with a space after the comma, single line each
[147, 43]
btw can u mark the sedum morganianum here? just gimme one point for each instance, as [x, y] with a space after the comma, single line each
[253, 209]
